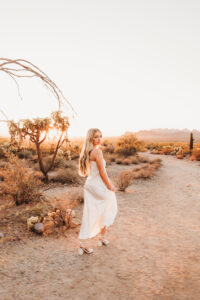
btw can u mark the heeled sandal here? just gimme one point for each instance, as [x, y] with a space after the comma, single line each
[82, 249]
[102, 242]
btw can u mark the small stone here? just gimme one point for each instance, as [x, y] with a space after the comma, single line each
[1, 235]
[39, 228]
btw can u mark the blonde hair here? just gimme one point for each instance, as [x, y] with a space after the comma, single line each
[85, 152]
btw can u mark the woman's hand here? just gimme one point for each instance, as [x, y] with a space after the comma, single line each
[112, 187]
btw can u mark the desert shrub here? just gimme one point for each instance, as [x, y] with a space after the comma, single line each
[3, 164]
[143, 159]
[126, 161]
[24, 154]
[196, 155]
[156, 160]
[59, 162]
[134, 160]
[179, 156]
[155, 151]
[119, 161]
[146, 171]
[19, 182]
[126, 151]
[68, 176]
[112, 159]
[32, 150]
[109, 148]
[109, 157]
[124, 179]
[166, 150]
[128, 144]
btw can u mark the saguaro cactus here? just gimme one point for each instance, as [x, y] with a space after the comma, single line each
[191, 142]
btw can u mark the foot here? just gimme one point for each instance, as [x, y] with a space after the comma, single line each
[102, 241]
[83, 249]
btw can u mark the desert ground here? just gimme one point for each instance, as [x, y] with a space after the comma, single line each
[154, 250]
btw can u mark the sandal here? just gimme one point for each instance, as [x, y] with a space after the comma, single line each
[102, 242]
[82, 249]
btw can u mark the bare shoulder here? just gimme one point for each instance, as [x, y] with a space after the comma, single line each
[96, 153]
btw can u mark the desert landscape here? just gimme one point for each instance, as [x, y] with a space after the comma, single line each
[154, 242]
[100, 99]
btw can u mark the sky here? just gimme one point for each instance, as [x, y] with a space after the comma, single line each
[124, 65]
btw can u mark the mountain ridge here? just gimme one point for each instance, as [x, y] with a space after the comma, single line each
[167, 135]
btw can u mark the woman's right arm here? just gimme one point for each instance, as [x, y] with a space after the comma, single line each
[102, 171]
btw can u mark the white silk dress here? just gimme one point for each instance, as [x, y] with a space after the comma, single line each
[100, 204]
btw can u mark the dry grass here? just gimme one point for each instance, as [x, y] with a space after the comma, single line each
[67, 176]
[60, 161]
[128, 161]
[19, 182]
[143, 159]
[146, 171]
[134, 160]
[125, 178]
[27, 154]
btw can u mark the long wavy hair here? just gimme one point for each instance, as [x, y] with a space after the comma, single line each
[85, 152]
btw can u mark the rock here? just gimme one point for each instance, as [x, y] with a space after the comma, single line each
[39, 228]
[1, 235]
[31, 221]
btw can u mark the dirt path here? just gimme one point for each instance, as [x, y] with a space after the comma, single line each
[154, 250]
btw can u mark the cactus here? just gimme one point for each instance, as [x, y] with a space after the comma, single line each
[191, 142]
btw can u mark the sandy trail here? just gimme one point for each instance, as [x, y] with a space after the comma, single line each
[154, 250]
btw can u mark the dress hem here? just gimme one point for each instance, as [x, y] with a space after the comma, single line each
[94, 234]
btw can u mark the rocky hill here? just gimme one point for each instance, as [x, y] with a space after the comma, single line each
[167, 135]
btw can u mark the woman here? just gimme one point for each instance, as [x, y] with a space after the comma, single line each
[100, 204]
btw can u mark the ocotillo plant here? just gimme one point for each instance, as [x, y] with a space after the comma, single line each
[191, 142]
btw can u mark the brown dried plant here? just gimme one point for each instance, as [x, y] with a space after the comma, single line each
[124, 179]
[19, 182]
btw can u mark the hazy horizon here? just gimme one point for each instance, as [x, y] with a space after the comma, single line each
[148, 130]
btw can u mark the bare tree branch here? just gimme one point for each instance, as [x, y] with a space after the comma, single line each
[22, 65]
[13, 78]
[3, 113]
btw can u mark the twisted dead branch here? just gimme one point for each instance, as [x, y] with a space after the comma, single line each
[21, 68]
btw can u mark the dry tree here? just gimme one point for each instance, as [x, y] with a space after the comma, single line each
[38, 128]
[21, 68]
